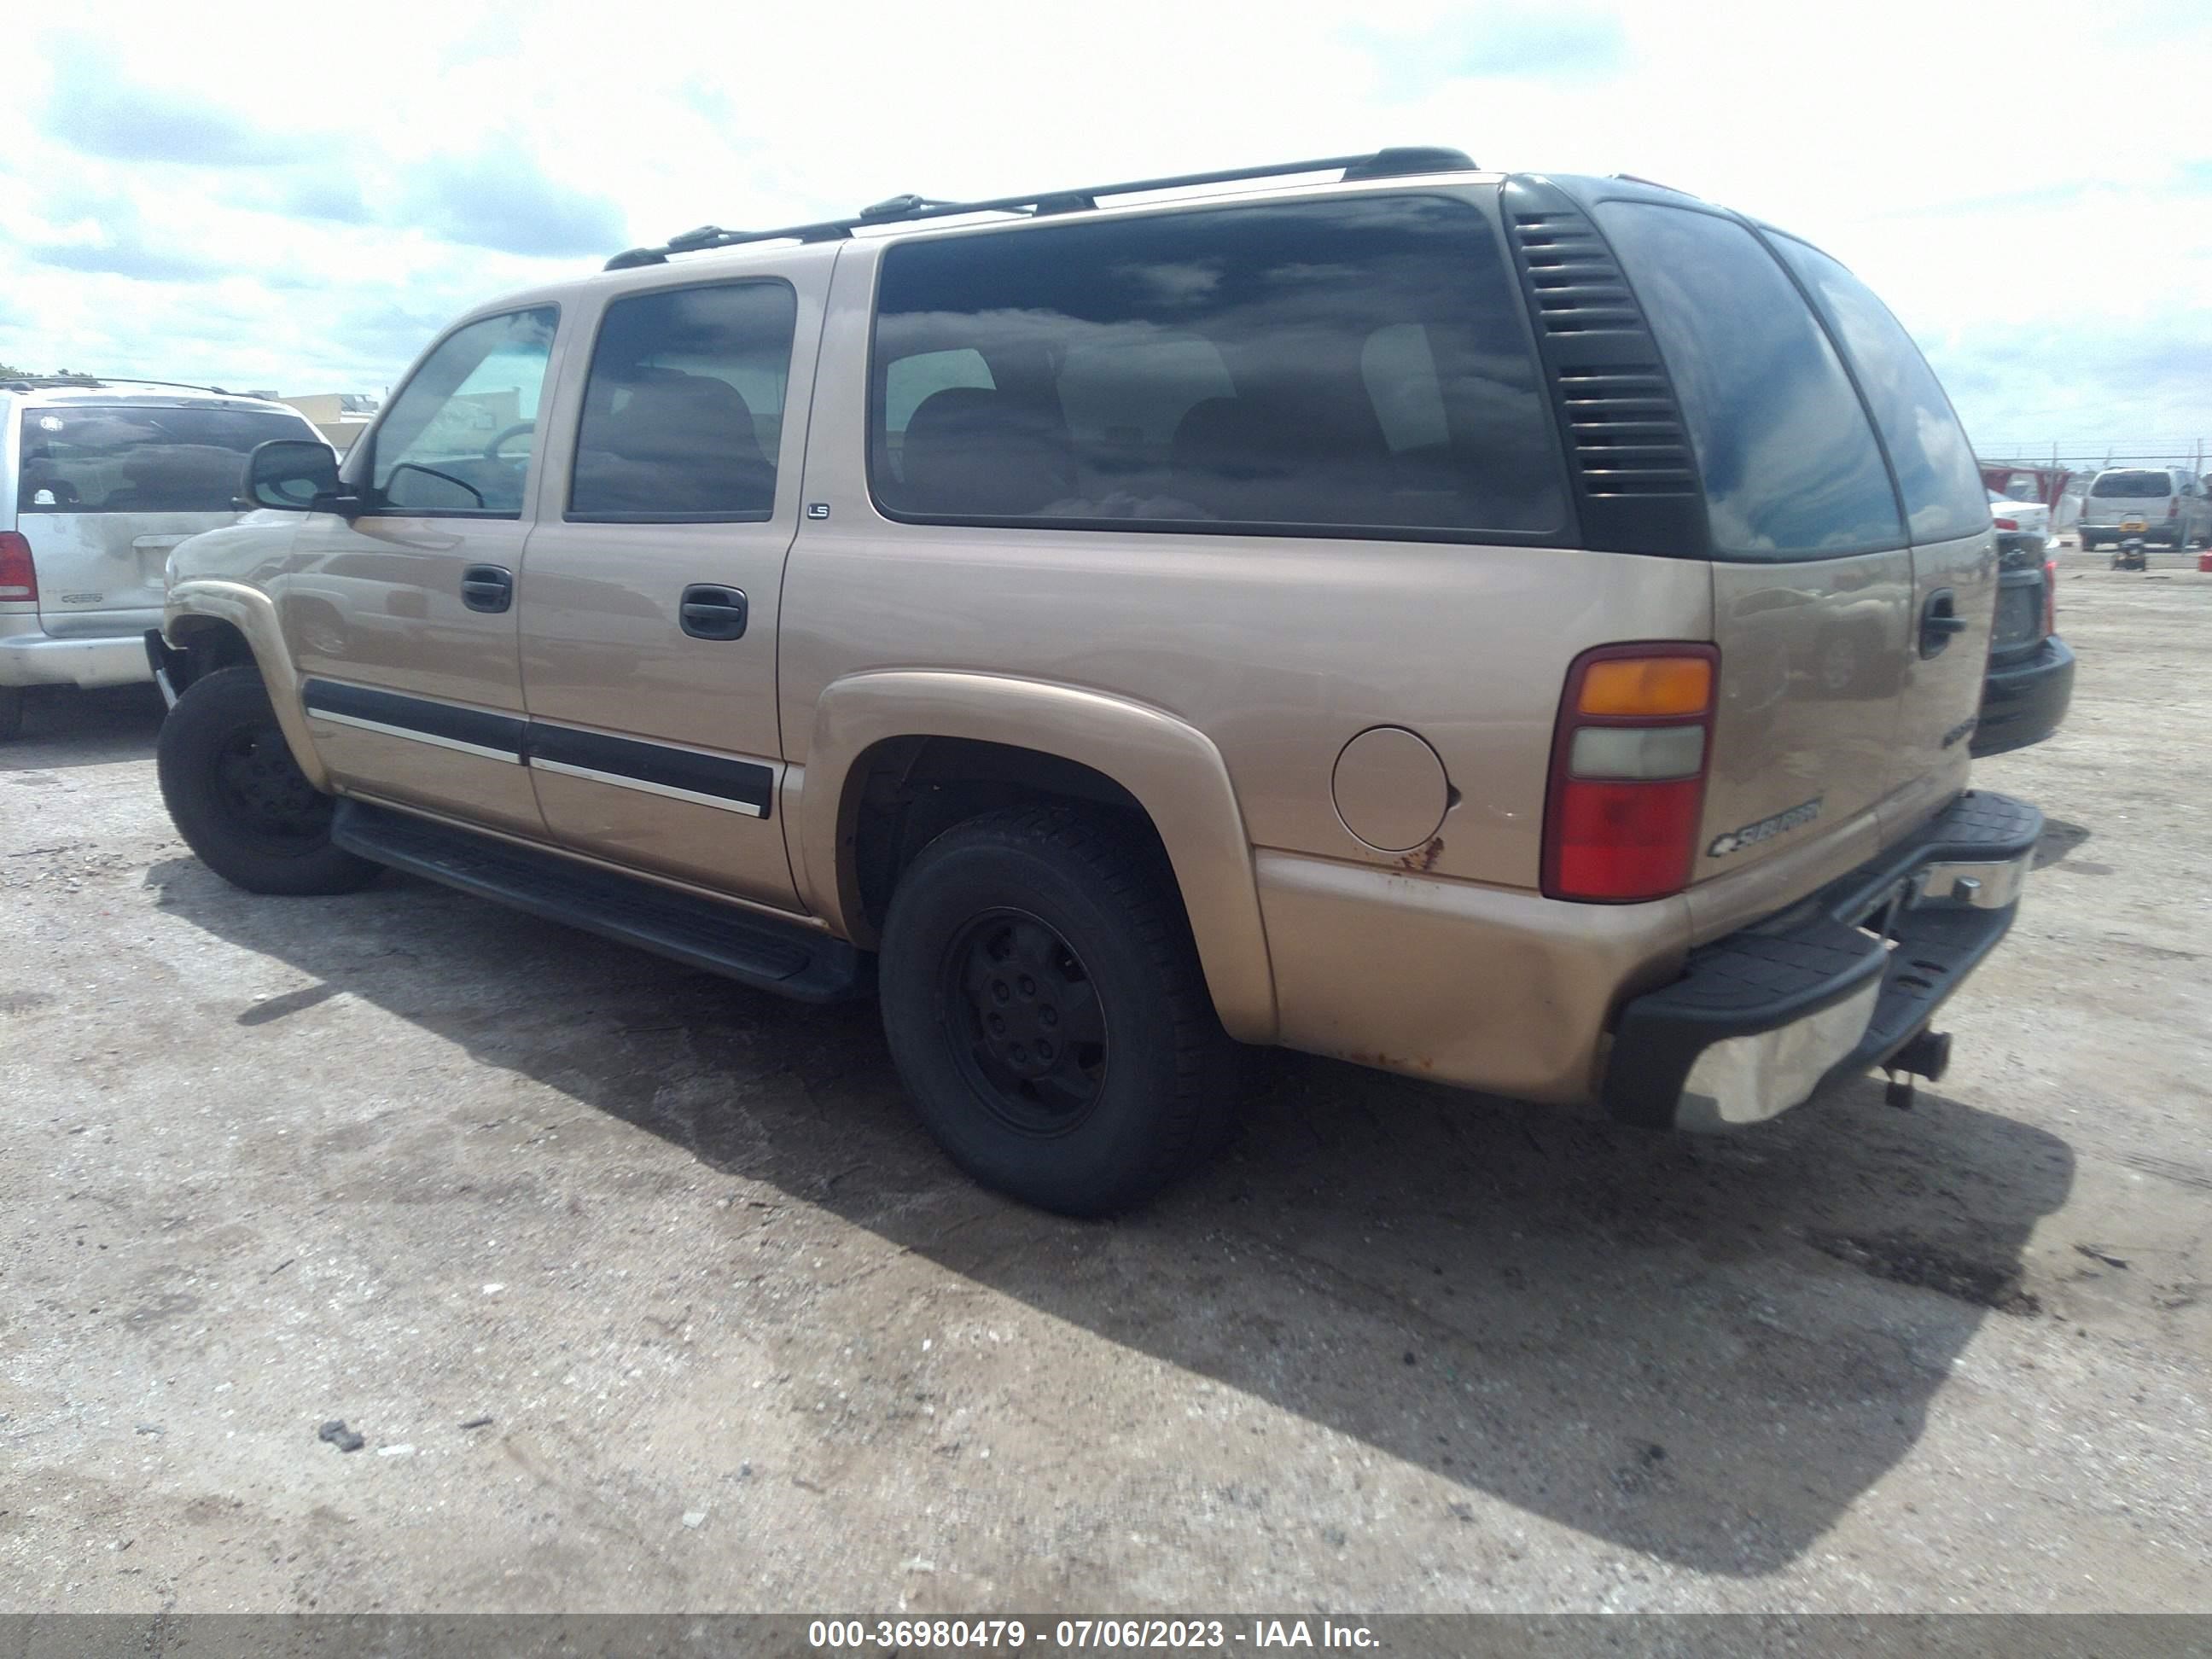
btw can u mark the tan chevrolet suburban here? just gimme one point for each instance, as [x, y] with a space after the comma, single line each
[1521, 631]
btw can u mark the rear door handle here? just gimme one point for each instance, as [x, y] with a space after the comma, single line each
[1939, 621]
[714, 613]
[487, 588]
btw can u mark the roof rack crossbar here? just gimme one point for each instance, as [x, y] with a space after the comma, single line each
[909, 208]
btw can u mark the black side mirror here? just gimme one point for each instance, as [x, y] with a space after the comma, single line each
[295, 476]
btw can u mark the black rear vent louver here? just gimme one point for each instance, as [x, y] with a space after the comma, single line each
[1635, 477]
[1624, 435]
[1578, 288]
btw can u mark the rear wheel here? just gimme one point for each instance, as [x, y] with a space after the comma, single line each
[1045, 1006]
[240, 800]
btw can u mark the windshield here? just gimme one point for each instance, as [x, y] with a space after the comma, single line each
[2132, 484]
[141, 460]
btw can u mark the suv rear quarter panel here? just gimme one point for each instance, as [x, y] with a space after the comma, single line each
[1281, 649]
[1274, 653]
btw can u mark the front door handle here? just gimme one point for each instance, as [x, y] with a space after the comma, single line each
[714, 613]
[1939, 621]
[487, 588]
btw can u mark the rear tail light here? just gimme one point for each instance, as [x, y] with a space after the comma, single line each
[2174, 509]
[2049, 597]
[1629, 757]
[2008, 524]
[19, 578]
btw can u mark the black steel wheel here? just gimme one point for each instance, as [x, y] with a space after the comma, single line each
[1043, 1000]
[238, 797]
[1027, 1028]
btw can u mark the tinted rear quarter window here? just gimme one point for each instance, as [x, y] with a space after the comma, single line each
[1348, 363]
[142, 459]
[1790, 466]
[1936, 469]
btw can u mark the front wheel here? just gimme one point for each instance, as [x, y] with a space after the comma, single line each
[1045, 1006]
[240, 800]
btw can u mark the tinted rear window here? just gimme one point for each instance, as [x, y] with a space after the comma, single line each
[1791, 468]
[2132, 484]
[683, 407]
[1934, 462]
[141, 460]
[1346, 364]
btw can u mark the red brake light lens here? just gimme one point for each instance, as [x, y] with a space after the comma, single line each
[2008, 524]
[19, 577]
[1627, 788]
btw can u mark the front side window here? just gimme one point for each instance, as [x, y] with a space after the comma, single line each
[1791, 468]
[141, 459]
[683, 406]
[459, 437]
[1345, 364]
[1936, 468]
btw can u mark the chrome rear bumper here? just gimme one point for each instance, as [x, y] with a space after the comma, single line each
[1761, 1020]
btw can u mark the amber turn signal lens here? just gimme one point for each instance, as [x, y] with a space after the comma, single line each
[1647, 687]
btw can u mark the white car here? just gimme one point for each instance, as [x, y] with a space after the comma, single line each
[98, 481]
[2014, 518]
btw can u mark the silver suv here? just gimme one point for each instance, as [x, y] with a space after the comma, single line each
[98, 482]
[2164, 504]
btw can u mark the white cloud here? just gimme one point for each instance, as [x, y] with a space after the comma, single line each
[271, 194]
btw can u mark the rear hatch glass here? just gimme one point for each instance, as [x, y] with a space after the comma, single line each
[2136, 486]
[140, 460]
[1813, 581]
[104, 493]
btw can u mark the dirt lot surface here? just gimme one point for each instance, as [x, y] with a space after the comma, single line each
[646, 1292]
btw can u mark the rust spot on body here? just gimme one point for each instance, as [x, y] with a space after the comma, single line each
[1423, 857]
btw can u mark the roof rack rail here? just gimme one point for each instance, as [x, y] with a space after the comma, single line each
[94, 382]
[906, 210]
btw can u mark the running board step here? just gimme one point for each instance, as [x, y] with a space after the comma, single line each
[741, 945]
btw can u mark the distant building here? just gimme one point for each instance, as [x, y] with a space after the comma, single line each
[340, 417]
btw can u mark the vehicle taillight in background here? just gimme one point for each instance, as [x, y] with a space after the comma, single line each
[2174, 509]
[2049, 597]
[1629, 757]
[19, 578]
[2008, 524]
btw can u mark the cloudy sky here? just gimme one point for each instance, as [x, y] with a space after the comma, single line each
[297, 197]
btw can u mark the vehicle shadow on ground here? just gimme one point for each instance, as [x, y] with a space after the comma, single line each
[64, 727]
[1704, 1349]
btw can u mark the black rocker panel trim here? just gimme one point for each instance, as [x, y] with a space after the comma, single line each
[504, 732]
[746, 782]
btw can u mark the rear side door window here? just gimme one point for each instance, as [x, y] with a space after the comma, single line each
[1334, 367]
[458, 440]
[683, 414]
[1791, 468]
[1936, 472]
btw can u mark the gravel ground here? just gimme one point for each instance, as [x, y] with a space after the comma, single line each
[644, 1292]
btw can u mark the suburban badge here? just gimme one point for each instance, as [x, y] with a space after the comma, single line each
[1752, 834]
